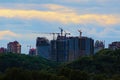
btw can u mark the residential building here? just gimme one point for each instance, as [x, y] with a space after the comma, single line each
[65, 49]
[99, 45]
[53, 50]
[86, 46]
[62, 49]
[114, 45]
[3, 50]
[14, 47]
[32, 52]
[73, 51]
[59, 49]
[43, 47]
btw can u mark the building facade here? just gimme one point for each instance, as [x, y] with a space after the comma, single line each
[73, 51]
[3, 50]
[14, 47]
[62, 49]
[99, 45]
[32, 52]
[86, 46]
[43, 47]
[53, 50]
[59, 49]
[114, 45]
[65, 49]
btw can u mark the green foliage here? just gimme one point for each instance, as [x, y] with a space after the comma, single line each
[24, 61]
[116, 77]
[78, 75]
[22, 74]
[104, 65]
[64, 72]
[17, 74]
[105, 52]
[73, 74]
[105, 61]
[99, 77]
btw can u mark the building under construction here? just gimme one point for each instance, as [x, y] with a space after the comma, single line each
[65, 49]
[43, 47]
[73, 48]
[86, 46]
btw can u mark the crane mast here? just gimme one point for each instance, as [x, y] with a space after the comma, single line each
[80, 33]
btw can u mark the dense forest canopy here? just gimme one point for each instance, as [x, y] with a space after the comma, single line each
[104, 65]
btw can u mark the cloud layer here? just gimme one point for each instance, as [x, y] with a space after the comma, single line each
[19, 18]
[63, 17]
[9, 33]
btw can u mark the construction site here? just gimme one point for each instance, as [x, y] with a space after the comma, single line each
[63, 47]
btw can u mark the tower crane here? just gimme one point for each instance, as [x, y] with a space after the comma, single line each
[29, 46]
[50, 34]
[54, 35]
[80, 33]
[66, 33]
[61, 31]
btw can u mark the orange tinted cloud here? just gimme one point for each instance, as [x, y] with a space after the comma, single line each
[63, 17]
[7, 33]
[57, 8]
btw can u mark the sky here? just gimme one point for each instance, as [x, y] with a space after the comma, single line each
[25, 20]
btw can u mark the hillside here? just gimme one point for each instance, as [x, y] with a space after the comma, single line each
[10, 60]
[105, 61]
[105, 65]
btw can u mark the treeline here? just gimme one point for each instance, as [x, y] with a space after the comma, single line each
[22, 74]
[11, 60]
[62, 74]
[104, 65]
